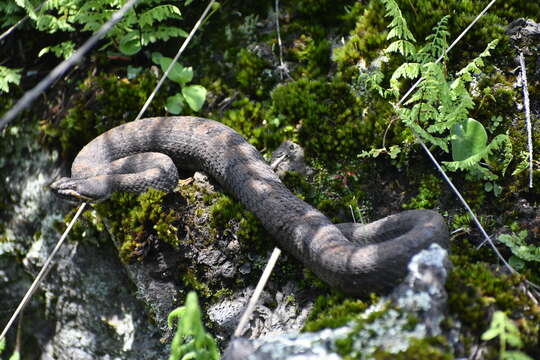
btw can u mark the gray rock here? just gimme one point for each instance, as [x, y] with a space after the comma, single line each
[85, 308]
[289, 156]
[525, 35]
[421, 295]
[273, 315]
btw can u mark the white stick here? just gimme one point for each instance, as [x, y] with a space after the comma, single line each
[42, 273]
[257, 293]
[525, 89]
[182, 48]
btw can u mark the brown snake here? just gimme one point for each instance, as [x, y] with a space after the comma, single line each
[356, 259]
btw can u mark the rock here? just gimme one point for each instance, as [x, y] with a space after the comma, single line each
[85, 308]
[289, 156]
[273, 315]
[421, 295]
[525, 35]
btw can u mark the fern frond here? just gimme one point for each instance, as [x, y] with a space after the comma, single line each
[437, 42]
[475, 159]
[398, 26]
[162, 33]
[159, 13]
[407, 71]
[403, 47]
[474, 66]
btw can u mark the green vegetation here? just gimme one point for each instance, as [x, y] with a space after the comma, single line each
[134, 218]
[191, 341]
[193, 95]
[9, 76]
[347, 69]
[334, 311]
[16, 354]
[503, 328]
[520, 249]
[145, 24]
[438, 112]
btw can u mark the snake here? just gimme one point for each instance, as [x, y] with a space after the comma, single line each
[357, 259]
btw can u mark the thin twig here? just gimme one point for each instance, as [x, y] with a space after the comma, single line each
[42, 273]
[176, 57]
[525, 89]
[257, 293]
[282, 66]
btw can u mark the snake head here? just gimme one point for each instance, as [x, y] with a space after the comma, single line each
[90, 189]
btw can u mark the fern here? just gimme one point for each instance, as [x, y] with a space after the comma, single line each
[438, 111]
[151, 21]
[399, 30]
[159, 13]
[437, 43]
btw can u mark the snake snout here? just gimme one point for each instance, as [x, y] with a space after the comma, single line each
[68, 189]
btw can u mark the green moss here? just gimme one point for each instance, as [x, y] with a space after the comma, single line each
[227, 213]
[133, 218]
[477, 289]
[366, 40]
[313, 56]
[429, 348]
[102, 102]
[251, 74]
[248, 117]
[333, 311]
[429, 192]
[326, 116]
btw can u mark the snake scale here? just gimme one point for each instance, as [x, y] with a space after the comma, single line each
[356, 259]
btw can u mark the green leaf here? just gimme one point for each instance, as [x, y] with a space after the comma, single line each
[15, 356]
[178, 73]
[130, 43]
[515, 355]
[133, 71]
[8, 76]
[195, 96]
[516, 263]
[175, 104]
[468, 139]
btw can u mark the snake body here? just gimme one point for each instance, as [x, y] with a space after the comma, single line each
[356, 259]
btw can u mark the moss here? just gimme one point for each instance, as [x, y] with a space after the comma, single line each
[326, 116]
[429, 348]
[313, 56]
[366, 40]
[429, 192]
[227, 212]
[248, 117]
[333, 311]
[134, 218]
[253, 73]
[103, 102]
[477, 289]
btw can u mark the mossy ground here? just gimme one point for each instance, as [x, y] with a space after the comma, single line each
[236, 59]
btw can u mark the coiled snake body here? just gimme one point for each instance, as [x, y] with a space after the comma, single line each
[357, 259]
